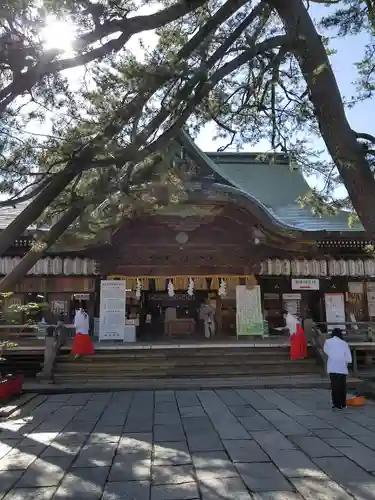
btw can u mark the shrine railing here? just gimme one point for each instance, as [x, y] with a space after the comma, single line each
[359, 335]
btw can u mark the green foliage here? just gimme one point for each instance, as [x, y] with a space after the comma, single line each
[229, 64]
[29, 310]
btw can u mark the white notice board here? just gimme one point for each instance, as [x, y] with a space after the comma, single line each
[335, 310]
[112, 310]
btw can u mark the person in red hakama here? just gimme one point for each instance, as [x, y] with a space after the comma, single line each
[82, 344]
[298, 344]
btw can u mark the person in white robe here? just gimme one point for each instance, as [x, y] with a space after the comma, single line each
[207, 315]
[82, 322]
[291, 323]
[82, 344]
[339, 357]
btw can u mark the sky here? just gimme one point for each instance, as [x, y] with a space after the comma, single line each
[349, 50]
[361, 117]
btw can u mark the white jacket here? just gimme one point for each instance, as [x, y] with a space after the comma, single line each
[339, 355]
[81, 322]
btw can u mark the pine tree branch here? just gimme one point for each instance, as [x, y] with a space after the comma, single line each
[25, 81]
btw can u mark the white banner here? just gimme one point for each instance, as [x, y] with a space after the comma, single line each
[249, 319]
[112, 310]
[335, 310]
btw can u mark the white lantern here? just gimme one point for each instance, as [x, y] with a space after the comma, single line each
[222, 289]
[190, 290]
[138, 289]
[170, 289]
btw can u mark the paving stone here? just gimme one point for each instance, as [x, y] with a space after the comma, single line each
[341, 442]
[312, 422]
[130, 470]
[318, 489]
[171, 453]
[45, 472]
[204, 442]
[61, 451]
[368, 441]
[17, 460]
[277, 495]
[353, 429]
[225, 423]
[96, 455]
[226, 488]
[8, 479]
[192, 411]
[214, 464]
[168, 432]
[254, 399]
[139, 424]
[282, 403]
[361, 455]
[284, 424]
[229, 397]
[243, 411]
[187, 399]
[127, 491]
[272, 440]
[80, 426]
[82, 484]
[114, 420]
[139, 445]
[172, 474]
[105, 435]
[347, 474]
[197, 424]
[255, 423]
[31, 494]
[245, 451]
[167, 419]
[184, 491]
[262, 477]
[166, 407]
[330, 433]
[315, 447]
[294, 463]
[165, 396]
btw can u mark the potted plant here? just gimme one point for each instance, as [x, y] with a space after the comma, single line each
[11, 384]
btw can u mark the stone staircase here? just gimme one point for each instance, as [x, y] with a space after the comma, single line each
[166, 363]
[22, 361]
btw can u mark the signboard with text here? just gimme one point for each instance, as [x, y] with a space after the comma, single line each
[305, 284]
[112, 310]
[249, 319]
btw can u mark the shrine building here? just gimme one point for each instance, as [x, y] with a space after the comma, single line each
[241, 224]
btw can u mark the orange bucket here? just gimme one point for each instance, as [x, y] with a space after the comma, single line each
[357, 401]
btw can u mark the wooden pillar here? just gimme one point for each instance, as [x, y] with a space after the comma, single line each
[219, 316]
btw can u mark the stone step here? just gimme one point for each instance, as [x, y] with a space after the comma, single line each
[139, 363]
[176, 371]
[168, 363]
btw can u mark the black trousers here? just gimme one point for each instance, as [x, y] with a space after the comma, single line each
[338, 388]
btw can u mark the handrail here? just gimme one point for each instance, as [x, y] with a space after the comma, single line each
[318, 339]
[354, 329]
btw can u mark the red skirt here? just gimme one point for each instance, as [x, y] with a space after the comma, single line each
[82, 345]
[298, 344]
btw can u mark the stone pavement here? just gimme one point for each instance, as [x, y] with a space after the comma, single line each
[259, 444]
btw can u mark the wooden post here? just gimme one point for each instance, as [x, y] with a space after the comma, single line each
[355, 362]
[54, 340]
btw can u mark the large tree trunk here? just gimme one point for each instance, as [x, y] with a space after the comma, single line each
[34, 209]
[35, 253]
[340, 139]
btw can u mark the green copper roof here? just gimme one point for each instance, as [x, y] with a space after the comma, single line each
[274, 183]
